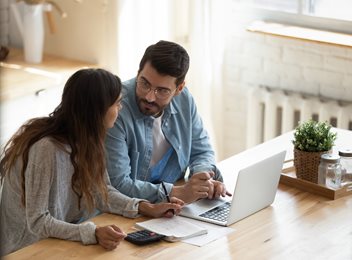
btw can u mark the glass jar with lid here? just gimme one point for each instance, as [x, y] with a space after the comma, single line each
[346, 165]
[330, 171]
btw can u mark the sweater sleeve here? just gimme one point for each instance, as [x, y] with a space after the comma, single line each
[38, 184]
[119, 203]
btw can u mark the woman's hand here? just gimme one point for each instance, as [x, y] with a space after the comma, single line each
[110, 236]
[162, 209]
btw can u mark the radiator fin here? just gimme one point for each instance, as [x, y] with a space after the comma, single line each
[272, 112]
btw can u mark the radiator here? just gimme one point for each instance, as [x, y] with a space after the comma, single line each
[272, 112]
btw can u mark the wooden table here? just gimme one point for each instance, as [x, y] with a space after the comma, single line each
[298, 225]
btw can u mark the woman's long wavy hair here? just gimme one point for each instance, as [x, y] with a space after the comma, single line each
[79, 122]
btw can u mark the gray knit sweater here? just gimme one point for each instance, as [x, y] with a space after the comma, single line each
[51, 205]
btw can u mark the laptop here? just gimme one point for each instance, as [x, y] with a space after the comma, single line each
[255, 189]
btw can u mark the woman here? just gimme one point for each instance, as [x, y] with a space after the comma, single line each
[53, 171]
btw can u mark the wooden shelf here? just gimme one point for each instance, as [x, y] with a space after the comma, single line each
[19, 78]
[288, 177]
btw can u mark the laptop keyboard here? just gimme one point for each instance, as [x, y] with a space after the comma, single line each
[219, 213]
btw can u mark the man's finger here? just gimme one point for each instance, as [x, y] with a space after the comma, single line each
[203, 176]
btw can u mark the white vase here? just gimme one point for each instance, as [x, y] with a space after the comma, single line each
[33, 33]
[31, 27]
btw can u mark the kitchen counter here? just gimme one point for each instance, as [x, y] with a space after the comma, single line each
[31, 90]
[19, 78]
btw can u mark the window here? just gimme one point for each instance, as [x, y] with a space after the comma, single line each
[284, 5]
[338, 9]
[333, 15]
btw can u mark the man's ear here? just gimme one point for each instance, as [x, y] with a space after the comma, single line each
[180, 88]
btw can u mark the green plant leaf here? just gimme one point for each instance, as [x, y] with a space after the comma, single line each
[313, 136]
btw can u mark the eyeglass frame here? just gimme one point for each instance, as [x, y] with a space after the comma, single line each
[147, 87]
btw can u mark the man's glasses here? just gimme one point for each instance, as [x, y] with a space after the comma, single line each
[161, 93]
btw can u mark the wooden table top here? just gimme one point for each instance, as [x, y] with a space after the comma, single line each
[298, 225]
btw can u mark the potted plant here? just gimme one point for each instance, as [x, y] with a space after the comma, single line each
[311, 140]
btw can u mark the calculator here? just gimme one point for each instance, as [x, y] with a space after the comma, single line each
[143, 237]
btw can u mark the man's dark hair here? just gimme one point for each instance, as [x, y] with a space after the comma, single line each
[167, 58]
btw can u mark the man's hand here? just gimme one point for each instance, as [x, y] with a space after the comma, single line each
[200, 185]
[110, 236]
[219, 190]
[161, 209]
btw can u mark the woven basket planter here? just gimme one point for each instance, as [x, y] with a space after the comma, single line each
[307, 164]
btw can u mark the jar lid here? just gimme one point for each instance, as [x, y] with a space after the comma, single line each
[345, 152]
[331, 158]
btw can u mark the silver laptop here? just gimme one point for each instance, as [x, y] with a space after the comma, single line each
[255, 189]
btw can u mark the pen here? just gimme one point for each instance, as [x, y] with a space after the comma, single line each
[167, 197]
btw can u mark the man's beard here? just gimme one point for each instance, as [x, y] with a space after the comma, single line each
[149, 108]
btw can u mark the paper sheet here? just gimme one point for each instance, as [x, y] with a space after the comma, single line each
[214, 232]
[175, 228]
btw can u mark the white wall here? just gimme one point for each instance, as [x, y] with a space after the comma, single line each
[254, 59]
[83, 35]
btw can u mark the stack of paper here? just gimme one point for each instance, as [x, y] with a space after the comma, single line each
[175, 228]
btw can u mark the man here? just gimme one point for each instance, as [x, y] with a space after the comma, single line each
[159, 133]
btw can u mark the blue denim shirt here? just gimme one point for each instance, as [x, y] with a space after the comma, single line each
[129, 145]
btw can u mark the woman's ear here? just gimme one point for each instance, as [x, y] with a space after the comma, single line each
[180, 88]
